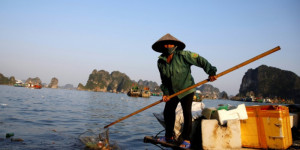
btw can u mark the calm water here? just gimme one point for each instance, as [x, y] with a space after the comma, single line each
[54, 118]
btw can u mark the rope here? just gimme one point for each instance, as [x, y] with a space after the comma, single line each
[159, 133]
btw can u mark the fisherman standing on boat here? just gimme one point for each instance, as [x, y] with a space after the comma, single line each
[174, 65]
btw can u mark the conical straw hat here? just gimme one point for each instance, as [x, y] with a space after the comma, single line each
[167, 39]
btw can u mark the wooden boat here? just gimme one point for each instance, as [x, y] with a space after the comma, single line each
[156, 94]
[248, 137]
[37, 86]
[34, 86]
[19, 83]
[145, 93]
[134, 92]
[198, 96]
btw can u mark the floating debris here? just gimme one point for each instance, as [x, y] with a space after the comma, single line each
[16, 140]
[8, 135]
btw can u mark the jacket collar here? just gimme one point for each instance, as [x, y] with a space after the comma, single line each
[163, 57]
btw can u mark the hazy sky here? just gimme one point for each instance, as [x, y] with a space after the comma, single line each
[67, 39]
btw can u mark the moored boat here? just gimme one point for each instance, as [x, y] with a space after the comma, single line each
[133, 92]
[241, 133]
[145, 93]
[37, 86]
[34, 86]
[156, 94]
[19, 83]
[198, 96]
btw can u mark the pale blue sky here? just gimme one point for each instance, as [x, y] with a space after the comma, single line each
[68, 39]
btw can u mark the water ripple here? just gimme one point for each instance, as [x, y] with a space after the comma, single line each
[54, 118]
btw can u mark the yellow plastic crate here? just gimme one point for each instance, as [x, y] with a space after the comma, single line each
[267, 126]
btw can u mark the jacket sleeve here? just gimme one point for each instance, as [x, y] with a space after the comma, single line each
[163, 86]
[195, 59]
[164, 89]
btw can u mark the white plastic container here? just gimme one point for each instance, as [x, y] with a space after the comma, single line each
[215, 136]
[239, 113]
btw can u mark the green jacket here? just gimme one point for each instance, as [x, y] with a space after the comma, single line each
[176, 75]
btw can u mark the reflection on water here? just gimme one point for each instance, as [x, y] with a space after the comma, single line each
[54, 118]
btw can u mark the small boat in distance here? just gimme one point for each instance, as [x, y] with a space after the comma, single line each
[34, 86]
[37, 86]
[135, 92]
[145, 93]
[19, 83]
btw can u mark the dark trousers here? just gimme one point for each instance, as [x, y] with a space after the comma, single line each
[169, 115]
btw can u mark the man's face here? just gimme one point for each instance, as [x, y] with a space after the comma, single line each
[168, 45]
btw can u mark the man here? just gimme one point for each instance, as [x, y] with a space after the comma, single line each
[174, 65]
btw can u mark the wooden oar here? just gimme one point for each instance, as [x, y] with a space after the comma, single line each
[200, 83]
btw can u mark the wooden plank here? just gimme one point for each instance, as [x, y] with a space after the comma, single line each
[151, 139]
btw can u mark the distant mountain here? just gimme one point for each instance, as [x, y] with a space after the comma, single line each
[271, 82]
[210, 92]
[34, 81]
[103, 81]
[54, 83]
[67, 86]
[223, 95]
[7, 81]
[207, 88]
[153, 86]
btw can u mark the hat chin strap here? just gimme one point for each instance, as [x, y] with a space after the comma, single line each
[170, 50]
[174, 49]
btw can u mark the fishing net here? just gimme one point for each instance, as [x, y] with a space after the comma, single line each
[95, 141]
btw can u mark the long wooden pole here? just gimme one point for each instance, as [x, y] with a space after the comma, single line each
[200, 83]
